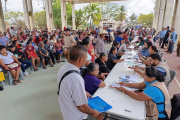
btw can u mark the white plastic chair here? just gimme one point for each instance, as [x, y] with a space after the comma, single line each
[172, 75]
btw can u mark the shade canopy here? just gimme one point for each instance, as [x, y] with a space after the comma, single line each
[89, 1]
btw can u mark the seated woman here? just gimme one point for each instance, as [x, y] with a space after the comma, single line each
[151, 50]
[140, 41]
[112, 58]
[52, 52]
[58, 47]
[101, 61]
[144, 51]
[87, 44]
[21, 58]
[37, 40]
[155, 93]
[44, 57]
[92, 83]
[53, 39]
[31, 54]
[10, 63]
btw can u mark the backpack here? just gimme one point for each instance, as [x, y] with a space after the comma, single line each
[175, 103]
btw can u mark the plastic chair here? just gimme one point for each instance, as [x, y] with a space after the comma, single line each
[172, 75]
[107, 51]
[164, 60]
[3, 84]
[159, 50]
[10, 77]
[161, 55]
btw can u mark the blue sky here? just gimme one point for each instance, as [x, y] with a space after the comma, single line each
[132, 6]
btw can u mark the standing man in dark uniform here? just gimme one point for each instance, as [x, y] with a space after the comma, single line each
[165, 41]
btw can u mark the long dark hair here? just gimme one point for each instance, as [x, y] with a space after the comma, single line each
[153, 72]
[37, 38]
[112, 49]
[85, 41]
[90, 68]
[154, 48]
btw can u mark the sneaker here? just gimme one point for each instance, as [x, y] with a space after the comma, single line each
[25, 73]
[1, 88]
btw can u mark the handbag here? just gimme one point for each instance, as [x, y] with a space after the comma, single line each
[13, 65]
[32, 54]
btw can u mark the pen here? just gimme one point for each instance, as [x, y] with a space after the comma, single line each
[127, 110]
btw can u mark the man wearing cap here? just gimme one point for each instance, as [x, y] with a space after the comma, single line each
[69, 39]
[100, 42]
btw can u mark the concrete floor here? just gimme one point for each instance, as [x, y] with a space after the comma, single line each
[33, 99]
[36, 97]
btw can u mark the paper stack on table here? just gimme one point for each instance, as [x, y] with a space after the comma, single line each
[116, 85]
[132, 64]
[128, 78]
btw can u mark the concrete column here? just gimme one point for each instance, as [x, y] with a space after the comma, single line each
[26, 14]
[168, 13]
[30, 10]
[158, 2]
[73, 17]
[161, 15]
[176, 18]
[65, 14]
[51, 15]
[48, 15]
[62, 14]
[2, 23]
[154, 19]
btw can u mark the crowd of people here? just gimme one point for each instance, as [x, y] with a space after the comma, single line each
[88, 63]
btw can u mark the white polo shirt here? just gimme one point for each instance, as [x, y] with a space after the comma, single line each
[72, 93]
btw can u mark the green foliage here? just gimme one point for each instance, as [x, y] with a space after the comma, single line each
[80, 19]
[146, 20]
[121, 13]
[57, 13]
[92, 13]
[40, 17]
[133, 20]
[13, 17]
[109, 9]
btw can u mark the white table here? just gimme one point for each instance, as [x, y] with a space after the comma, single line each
[117, 99]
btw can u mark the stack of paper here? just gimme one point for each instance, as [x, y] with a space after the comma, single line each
[130, 78]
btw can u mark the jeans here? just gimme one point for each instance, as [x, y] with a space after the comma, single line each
[160, 42]
[25, 64]
[171, 46]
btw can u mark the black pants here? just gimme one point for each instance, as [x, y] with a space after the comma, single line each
[164, 42]
[52, 56]
[163, 118]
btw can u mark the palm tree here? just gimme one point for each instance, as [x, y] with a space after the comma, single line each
[121, 13]
[93, 13]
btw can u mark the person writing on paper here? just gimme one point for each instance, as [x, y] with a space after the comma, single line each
[155, 94]
[145, 60]
[155, 60]
[112, 58]
[144, 52]
[92, 83]
[72, 95]
[123, 47]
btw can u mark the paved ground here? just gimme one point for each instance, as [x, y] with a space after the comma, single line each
[36, 97]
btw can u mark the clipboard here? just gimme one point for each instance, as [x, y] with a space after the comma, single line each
[99, 104]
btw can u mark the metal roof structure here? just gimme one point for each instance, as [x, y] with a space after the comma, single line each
[89, 1]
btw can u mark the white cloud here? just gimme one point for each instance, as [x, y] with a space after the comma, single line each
[132, 6]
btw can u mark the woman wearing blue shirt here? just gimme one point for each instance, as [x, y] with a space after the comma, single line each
[154, 89]
[144, 52]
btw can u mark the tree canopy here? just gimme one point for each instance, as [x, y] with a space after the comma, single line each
[146, 20]
[40, 17]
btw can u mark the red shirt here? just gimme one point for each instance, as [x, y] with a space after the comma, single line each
[125, 37]
[34, 40]
[24, 37]
[92, 53]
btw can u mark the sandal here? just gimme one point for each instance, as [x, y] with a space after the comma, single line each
[15, 82]
[19, 81]
[52, 65]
